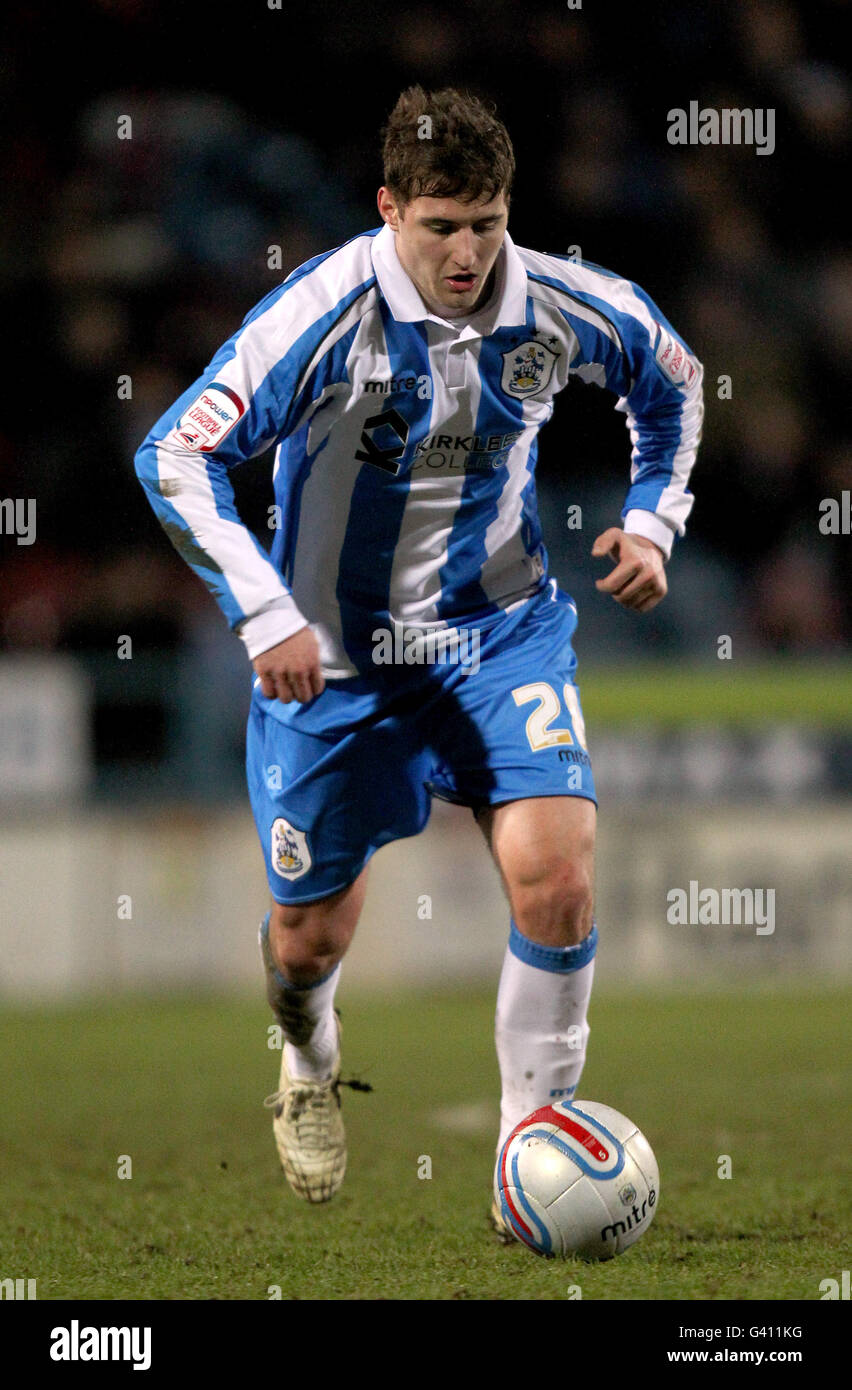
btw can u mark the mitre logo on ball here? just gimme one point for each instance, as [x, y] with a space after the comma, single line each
[560, 1182]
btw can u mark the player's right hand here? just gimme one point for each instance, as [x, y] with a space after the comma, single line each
[291, 670]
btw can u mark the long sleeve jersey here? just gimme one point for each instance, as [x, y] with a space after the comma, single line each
[406, 444]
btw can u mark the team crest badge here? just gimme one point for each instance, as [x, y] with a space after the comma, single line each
[291, 857]
[527, 369]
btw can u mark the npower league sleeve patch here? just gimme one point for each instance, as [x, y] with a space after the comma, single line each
[674, 359]
[204, 425]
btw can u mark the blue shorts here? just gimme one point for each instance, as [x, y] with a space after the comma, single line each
[333, 780]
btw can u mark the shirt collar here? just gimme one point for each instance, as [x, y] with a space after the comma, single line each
[506, 308]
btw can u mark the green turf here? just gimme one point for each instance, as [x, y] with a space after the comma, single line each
[741, 694]
[177, 1086]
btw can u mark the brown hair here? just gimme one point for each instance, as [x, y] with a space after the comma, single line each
[446, 144]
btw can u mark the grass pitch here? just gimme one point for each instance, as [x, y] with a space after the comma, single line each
[177, 1085]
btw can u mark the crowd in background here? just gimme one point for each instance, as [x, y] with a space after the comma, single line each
[137, 258]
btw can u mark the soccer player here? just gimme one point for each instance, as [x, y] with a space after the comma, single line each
[406, 639]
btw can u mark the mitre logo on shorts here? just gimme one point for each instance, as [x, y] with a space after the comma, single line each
[204, 425]
[291, 857]
[674, 359]
[527, 369]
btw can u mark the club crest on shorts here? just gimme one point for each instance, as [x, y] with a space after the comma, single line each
[291, 857]
[527, 369]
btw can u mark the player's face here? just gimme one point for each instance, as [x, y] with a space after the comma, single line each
[448, 248]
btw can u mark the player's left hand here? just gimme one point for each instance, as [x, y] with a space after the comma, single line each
[639, 579]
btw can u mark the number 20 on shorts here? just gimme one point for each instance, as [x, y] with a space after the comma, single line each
[539, 730]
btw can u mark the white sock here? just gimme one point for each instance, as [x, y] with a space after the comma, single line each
[314, 1060]
[306, 1016]
[541, 1030]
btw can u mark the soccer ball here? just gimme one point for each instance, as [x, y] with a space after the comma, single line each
[577, 1178]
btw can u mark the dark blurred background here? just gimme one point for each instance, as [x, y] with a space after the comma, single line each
[255, 127]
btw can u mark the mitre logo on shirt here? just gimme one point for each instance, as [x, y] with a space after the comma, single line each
[527, 369]
[204, 425]
[404, 381]
[674, 359]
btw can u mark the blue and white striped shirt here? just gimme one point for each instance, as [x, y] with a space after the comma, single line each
[406, 443]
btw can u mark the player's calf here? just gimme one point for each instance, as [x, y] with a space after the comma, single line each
[301, 947]
[541, 1027]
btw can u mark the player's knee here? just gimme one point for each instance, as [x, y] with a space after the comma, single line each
[555, 907]
[307, 940]
[288, 917]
